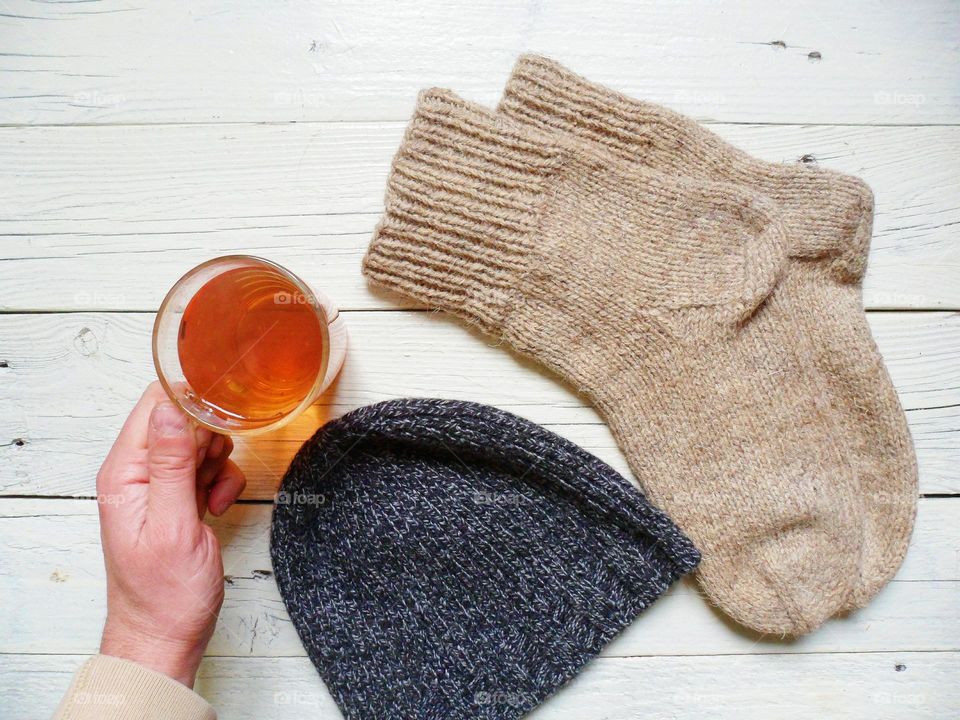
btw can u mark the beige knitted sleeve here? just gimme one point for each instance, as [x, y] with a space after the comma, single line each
[109, 688]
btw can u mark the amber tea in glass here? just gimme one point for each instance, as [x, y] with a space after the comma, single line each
[243, 345]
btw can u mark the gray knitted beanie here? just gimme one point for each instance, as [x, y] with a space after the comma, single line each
[446, 560]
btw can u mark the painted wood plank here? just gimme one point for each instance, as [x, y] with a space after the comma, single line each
[70, 380]
[875, 686]
[814, 61]
[55, 603]
[107, 218]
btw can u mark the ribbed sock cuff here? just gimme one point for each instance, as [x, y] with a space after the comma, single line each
[542, 93]
[827, 214]
[462, 203]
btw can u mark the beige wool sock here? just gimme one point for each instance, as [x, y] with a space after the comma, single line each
[642, 291]
[828, 220]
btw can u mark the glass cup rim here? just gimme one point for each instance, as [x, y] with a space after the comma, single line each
[301, 286]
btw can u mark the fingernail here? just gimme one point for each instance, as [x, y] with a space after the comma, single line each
[168, 420]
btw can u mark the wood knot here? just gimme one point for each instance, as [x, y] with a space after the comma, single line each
[86, 342]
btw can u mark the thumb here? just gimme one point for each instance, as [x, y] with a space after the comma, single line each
[172, 465]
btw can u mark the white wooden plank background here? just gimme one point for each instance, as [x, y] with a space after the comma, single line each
[112, 216]
[915, 612]
[210, 61]
[879, 686]
[106, 357]
[137, 140]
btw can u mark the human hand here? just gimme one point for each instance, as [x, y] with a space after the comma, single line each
[164, 569]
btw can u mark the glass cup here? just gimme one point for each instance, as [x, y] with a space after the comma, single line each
[244, 346]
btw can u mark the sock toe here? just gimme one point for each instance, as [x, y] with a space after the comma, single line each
[784, 584]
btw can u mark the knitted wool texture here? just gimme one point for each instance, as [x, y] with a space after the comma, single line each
[444, 560]
[828, 219]
[643, 291]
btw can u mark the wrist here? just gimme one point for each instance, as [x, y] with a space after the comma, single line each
[174, 658]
